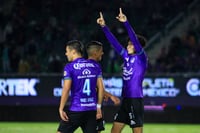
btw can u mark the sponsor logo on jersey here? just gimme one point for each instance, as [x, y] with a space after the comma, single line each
[82, 65]
[86, 72]
[127, 73]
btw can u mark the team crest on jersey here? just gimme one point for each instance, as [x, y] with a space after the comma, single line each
[132, 60]
[65, 73]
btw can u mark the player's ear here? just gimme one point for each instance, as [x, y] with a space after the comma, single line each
[73, 51]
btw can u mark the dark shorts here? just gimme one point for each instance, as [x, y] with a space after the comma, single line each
[86, 120]
[131, 112]
[100, 124]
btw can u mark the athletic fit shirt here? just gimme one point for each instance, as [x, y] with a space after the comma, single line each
[134, 67]
[83, 74]
[96, 63]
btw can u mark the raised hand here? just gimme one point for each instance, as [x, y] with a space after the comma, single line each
[101, 20]
[121, 17]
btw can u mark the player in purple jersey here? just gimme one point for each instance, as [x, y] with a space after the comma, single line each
[95, 51]
[131, 111]
[81, 77]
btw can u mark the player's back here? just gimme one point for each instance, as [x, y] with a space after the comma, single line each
[83, 74]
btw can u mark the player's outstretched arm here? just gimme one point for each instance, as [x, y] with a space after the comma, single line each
[122, 18]
[111, 38]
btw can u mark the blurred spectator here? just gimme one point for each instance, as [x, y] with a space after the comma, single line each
[34, 29]
[24, 66]
[55, 64]
[6, 59]
[113, 63]
[14, 58]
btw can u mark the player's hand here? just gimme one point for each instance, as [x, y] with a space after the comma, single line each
[101, 20]
[99, 113]
[63, 115]
[105, 98]
[115, 100]
[121, 17]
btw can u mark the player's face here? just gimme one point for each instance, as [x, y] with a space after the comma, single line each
[130, 48]
[69, 54]
[99, 54]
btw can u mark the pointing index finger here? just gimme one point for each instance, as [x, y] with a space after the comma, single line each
[120, 10]
[101, 15]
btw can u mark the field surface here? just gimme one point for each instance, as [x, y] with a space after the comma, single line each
[44, 127]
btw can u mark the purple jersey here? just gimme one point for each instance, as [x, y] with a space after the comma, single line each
[134, 67]
[97, 63]
[83, 74]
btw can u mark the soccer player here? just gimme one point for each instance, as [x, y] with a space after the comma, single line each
[95, 51]
[81, 77]
[131, 111]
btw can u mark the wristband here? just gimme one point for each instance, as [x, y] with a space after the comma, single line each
[99, 106]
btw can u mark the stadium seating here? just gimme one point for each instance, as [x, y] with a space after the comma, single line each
[37, 30]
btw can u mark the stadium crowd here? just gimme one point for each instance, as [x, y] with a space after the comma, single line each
[182, 55]
[33, 33]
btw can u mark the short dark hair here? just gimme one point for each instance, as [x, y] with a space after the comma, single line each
[93, 45]
[76, 45]
[141, 39]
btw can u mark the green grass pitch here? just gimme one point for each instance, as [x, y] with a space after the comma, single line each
[44, 127]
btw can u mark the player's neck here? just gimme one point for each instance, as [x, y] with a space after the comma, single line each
[76, 57]
[92, 58]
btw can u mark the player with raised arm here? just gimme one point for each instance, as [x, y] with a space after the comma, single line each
[95, 51]
[131, 111]
[81, 77]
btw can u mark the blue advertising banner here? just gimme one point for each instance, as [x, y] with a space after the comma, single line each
[164, 90]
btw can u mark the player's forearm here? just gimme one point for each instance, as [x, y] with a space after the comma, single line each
[107, 94]
[132, 36]
[100, 87]
[100, 96]
[100, 93]
[112, 39]
[64, 98]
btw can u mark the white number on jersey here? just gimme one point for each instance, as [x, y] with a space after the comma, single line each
[86, 87]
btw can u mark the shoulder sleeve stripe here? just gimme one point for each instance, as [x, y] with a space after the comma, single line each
[67, 78]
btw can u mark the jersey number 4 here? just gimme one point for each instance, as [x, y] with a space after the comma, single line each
[86, 87]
